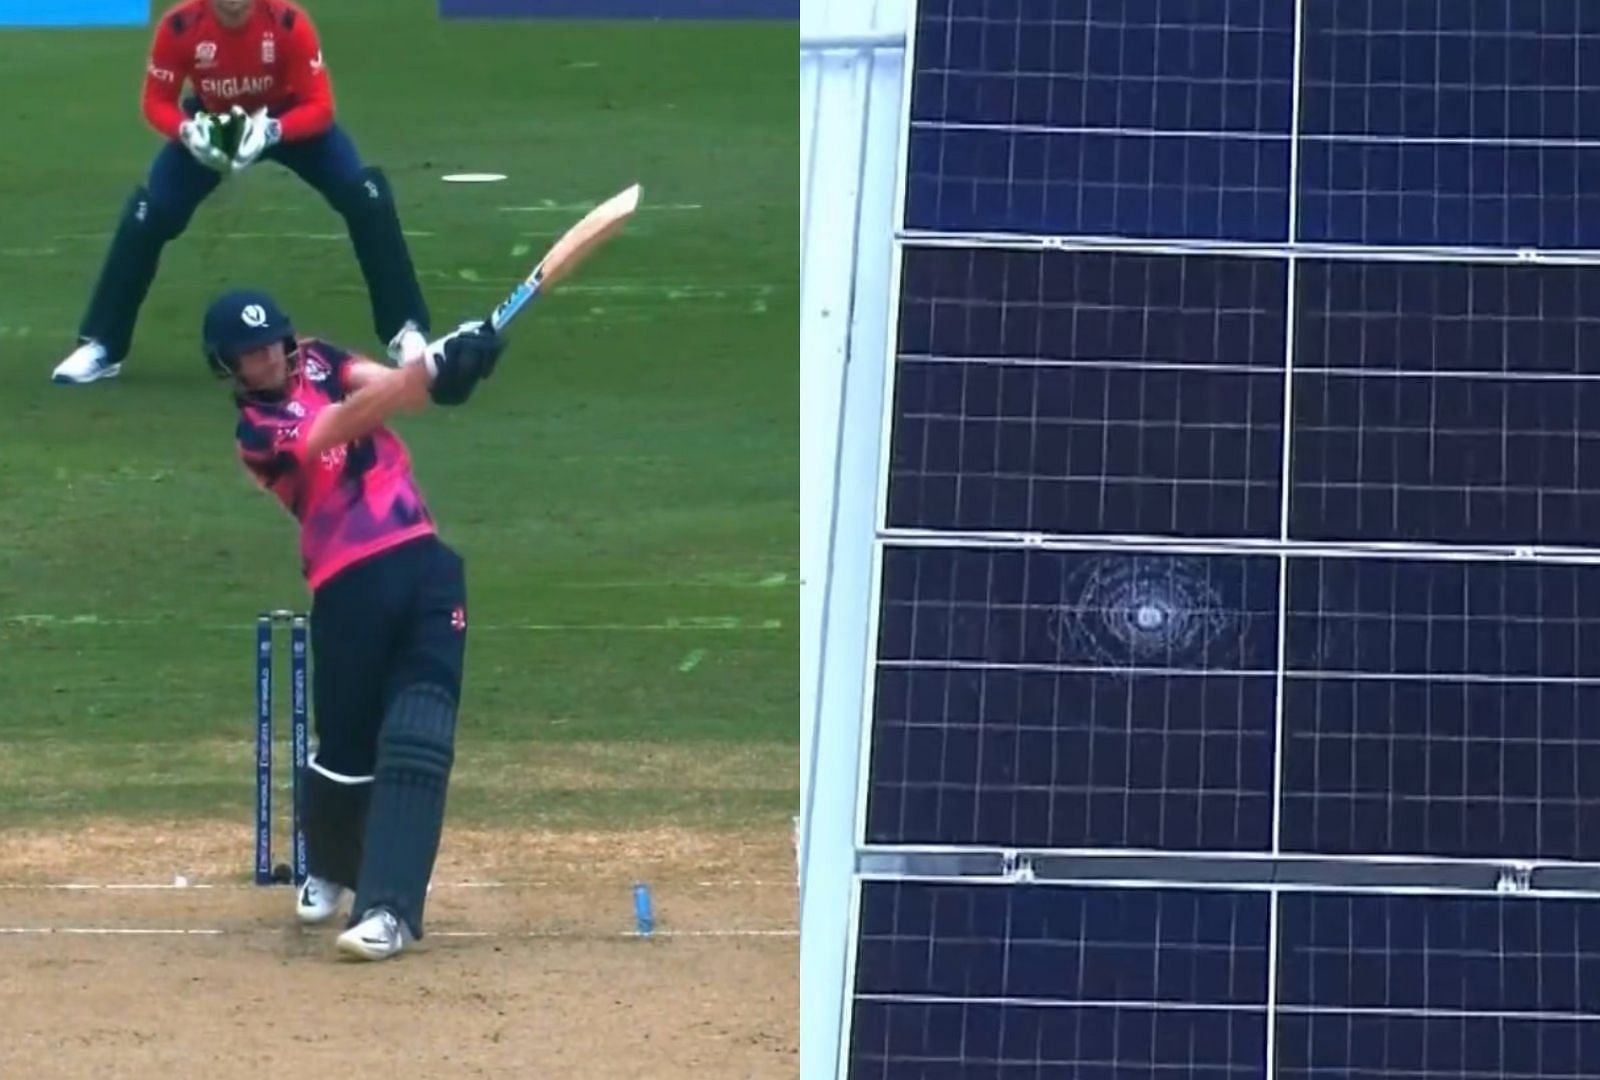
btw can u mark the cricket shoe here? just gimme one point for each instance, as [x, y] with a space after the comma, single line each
[85, 364]
[379, 935]
[318, 900]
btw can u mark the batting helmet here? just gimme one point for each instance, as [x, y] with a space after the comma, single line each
[239, 321]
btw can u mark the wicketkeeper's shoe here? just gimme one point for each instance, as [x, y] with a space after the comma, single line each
[85, 364]
[379, 935]
[318, 900]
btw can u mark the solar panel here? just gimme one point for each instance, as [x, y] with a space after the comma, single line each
[1241, 512]
[1415, 986]
[1133, 118]
[1438, 707]
[1060, 980]
[1446, 402]
[1089, 392]
[1052, 699]
[966, 980]
[1471, 123]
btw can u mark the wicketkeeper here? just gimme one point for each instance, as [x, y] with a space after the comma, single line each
[261, 92]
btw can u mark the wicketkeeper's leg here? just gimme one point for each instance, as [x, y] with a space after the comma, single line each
[157, 212]
[364, 198]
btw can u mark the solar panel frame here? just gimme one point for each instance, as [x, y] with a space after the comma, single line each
[887, 535]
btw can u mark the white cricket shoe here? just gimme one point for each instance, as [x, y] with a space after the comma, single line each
[318, 900]
[408, 346]
[379, 935]
[85, 364]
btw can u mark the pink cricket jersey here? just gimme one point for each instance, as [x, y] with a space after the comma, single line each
[352, 501]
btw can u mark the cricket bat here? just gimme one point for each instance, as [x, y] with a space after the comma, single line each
[575, 245]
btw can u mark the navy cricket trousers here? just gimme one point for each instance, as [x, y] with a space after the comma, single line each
[378, 627]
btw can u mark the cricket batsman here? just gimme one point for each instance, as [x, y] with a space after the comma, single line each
[261, 93]
[388, 613]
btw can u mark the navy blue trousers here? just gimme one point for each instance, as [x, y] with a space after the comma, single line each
[390, 622]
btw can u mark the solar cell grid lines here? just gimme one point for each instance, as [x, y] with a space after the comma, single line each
[1390, 122]
[1119, 119]
[1089, 392]
[1079, 980]
[1041, 699]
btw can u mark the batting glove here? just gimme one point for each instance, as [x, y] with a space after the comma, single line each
[195, 135]
[432, 353]
[261, 133]
[460, 360]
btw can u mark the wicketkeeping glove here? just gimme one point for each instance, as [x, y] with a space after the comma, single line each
[461, 359]
[195, 135]
[261, 132]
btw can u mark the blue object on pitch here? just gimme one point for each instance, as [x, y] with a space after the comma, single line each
[643, 914]
[241, 320]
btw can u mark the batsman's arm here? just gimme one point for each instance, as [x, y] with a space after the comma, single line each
[358, 372]
[163, 83]
[381, 394]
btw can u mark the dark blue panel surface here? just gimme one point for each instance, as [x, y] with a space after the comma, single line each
[941, 1041]
[1063, 944]
[1467, 123]
[985, 980]
[1383, 986]
[1051, 759]
[1094, 307]
[1074, 700]
[1440, 767]
[1395, 194]
[1122, 118]
[1402, 735]
[1101, 611]
[1086, 449]
[1480, 954]
[1462, 69]
[1097, 184]
[1444, 458]
[1443, 618]
[1400, 433]
[1386, 1046]
[1387, 317]
[1167, 65]
[1142, 394]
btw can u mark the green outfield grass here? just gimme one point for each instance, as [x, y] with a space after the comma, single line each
[624, 491]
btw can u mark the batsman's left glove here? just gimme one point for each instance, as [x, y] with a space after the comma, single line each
[261, 133]
[462, 359]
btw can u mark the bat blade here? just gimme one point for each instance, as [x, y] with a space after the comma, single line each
[575, 245]
[586, 237]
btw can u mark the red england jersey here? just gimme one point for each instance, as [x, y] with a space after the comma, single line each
[352, 501]
[274, 60]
